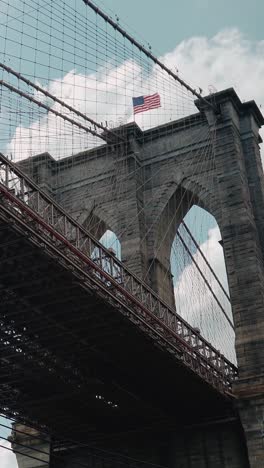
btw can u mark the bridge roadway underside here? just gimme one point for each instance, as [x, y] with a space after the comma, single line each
[72, 362]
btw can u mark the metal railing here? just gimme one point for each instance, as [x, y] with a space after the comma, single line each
[22, 197]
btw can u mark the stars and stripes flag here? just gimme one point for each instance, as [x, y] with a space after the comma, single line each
[145, 103]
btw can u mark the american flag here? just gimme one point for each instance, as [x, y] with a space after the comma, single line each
[144, 103]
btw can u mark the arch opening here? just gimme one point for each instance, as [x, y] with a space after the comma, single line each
[105, 259]
[200, 280]
[110, 240]
[101, 230]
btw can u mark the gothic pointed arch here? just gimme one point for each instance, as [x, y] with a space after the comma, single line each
[200, 282]
[174, 203]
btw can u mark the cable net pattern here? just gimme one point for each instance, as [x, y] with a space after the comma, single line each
[67, 79]
[72, 53]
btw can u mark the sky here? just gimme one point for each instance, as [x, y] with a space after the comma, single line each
[219, 43]
[166, 24]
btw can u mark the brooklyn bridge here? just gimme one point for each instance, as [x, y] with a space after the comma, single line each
[110, 354]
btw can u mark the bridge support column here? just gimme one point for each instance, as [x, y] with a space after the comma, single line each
[161, 279]
[252, 417]
[131, 218]
[32, 448]
[137, 240]
[244, 259]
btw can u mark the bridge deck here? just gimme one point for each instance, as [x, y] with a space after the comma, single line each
[67, 354]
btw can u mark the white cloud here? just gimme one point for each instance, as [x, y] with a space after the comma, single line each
[7, 458]
[228, 59]
[225, 60]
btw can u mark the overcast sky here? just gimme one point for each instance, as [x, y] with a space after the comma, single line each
[212, 42]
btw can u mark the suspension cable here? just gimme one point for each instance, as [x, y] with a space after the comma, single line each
[205, 259]
[49, 109]
[62, 103]
[205, 280]
[149, 54]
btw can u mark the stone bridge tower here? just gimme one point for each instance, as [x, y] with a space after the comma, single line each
[161, 161]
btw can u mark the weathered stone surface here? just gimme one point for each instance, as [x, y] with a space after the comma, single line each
[31, 447]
